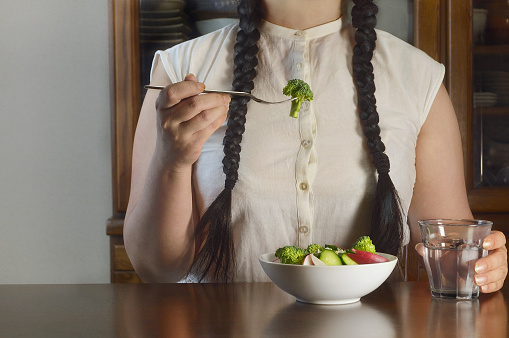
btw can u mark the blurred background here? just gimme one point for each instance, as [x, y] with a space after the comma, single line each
[55, 158]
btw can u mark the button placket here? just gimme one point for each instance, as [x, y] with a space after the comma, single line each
[306, 143]
[306, 157]
[299, 61]
[304, 229]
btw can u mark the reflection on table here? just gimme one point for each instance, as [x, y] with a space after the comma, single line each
[240, 310]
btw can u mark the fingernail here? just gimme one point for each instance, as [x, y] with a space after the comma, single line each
[480, 280]
[201, 86]
[480, 268]
[227, 99]
[487, 244]
[484, 288]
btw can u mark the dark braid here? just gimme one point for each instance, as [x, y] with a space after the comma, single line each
[386, 219]
[217, 252]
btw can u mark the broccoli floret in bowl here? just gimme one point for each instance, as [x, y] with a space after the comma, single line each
[364, 243]
[314, 249]
[291, 254]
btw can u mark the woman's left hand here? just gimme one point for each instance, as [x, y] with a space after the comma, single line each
[491, 270]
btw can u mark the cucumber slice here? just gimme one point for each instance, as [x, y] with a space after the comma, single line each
[347, 260]
[329, 257]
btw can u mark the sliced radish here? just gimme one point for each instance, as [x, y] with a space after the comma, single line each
[308, 260]
[312, 260]
[316, 260]
[364, 257]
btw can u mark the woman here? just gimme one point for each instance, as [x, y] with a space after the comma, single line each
[320, 178]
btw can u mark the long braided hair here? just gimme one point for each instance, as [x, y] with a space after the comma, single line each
[217, 250]
[386, 217]
[215, 257]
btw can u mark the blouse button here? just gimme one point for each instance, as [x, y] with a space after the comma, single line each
[299, 65]
[299, 33]
[303, 229]
[305, 105]
[303, 186]
[306, 143]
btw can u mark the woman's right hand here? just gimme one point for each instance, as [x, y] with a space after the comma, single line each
[160, 218]
[185, 120]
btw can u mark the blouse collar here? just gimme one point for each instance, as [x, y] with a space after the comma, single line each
[310, 33]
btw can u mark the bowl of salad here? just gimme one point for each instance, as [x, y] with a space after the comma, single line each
[328, 274]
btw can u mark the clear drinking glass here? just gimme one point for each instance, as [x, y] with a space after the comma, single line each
[451, 248]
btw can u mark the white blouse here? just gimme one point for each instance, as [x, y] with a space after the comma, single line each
[311, 179]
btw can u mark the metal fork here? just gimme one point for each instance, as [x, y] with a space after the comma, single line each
[231, 92]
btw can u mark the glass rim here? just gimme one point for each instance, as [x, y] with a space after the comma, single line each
[446, 222]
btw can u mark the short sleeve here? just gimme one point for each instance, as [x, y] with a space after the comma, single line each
[165, 59]
[414, 76]
[434, 80]
[202, 56]
[423, 79]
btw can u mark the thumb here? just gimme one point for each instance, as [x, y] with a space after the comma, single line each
[191, 77]
[419, 247]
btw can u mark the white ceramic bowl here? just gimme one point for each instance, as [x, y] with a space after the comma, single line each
[341, 284]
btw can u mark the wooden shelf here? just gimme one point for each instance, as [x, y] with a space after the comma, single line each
[115, 226]
[207, 15]
[491, 50]
[492, 111]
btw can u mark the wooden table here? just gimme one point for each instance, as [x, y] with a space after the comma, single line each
[240, 310]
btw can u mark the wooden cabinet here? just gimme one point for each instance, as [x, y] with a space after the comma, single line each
[125, 111]
[442, 28]
[122, 270]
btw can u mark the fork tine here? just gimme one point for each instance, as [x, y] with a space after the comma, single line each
[274, 102]
[254, 98]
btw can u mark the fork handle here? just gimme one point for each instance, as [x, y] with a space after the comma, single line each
[230, 92]
[154, 87]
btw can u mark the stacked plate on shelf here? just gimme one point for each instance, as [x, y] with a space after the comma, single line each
[484, 99]
[210, 15]
[163, 24]
[493, 83]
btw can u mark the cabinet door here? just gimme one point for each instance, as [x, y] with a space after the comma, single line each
[126, 96]
[490, 94]
[488, 164]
